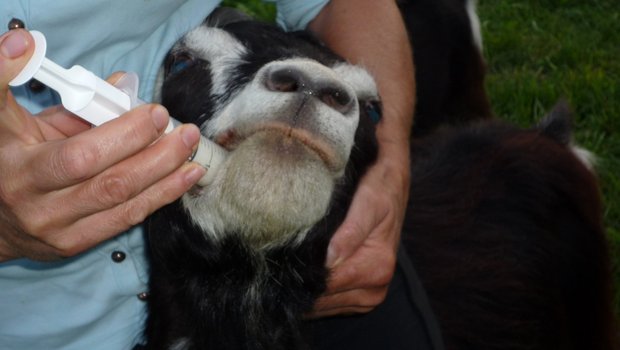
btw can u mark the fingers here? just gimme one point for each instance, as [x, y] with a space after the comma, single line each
[133, 180]
[357, 301]
[366, 212]
[360, 283]
[372, 266]
[62, 196]
[79, 158]
[93, 229]
[128, 178]
[113, 79]
[66, 187]
[362, 252]
[66, 222]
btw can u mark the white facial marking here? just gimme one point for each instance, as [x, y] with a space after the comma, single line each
[221, 49]
[358, 78]
[287, 150]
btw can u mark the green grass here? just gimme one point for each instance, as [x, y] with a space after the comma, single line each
[538, 51]
[255, 8]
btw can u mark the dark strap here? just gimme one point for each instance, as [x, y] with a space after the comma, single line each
[420, 300]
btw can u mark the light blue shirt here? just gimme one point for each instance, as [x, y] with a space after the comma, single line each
[92, 301]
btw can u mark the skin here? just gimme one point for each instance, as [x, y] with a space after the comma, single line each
[60, 178]
[362, 253]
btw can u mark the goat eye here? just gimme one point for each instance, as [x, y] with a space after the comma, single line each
[178, 62]
[373, 110]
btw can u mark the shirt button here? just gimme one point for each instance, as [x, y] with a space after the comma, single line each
[118, 256]
[15, 23]
[143, 296]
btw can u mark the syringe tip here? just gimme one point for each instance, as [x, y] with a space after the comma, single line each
[211, 156]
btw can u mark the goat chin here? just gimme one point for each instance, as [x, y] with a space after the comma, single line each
[248, 198]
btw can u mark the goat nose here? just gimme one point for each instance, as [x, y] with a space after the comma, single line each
[324, 88]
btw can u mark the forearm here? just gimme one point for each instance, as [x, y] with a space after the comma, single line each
[362, 253]
[371, 33]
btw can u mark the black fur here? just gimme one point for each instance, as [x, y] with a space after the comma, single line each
[504, 227]
[198, 288]
[450, 69]
[265, 44]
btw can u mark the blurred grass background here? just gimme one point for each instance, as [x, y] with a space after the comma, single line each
[538, 51]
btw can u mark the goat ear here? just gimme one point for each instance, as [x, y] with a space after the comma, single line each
[222, 16]
[558, 124]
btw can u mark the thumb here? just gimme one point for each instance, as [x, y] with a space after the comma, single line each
[15, 50]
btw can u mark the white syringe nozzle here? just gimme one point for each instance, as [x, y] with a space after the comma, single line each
[97, 101]
[210, 156]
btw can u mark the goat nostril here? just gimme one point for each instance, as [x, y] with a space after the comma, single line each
[283, 80]
[312, 83]
[336, 98]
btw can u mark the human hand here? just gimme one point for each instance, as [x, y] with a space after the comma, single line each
[362, 253]
[65, 187]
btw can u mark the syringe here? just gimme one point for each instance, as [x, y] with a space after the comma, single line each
[97, 101]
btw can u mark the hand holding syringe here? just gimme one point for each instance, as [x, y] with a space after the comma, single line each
[97, 101]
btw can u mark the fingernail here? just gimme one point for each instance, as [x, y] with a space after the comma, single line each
[15, 44]
[160, 117]
[330, 261]
[190, 136]
[194, 174]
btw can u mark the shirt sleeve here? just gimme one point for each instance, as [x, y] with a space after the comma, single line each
[296, 14]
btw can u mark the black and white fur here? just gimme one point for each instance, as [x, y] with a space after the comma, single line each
[236, 264]
[496, 226]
